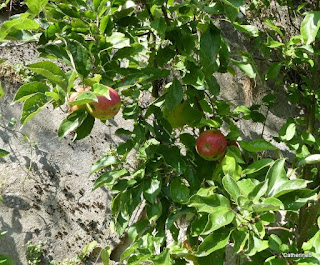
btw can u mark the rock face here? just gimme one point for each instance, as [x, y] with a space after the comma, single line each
[47, 188]
[46, 184]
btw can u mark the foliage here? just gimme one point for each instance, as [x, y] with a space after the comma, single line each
[3, 153]
[82, 257]
[3, 259]
[34, 253]
[191, 208]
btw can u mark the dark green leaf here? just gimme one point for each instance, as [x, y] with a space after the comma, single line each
[273, 71]
[71, 123]
[231, 187]
[101, 90]
[36, 5]
[257, 165]
[209, 45]
[32, 106]
[230, 11]
[51, 71]
[221, 216]
[217, 240]
[20, 23]
[276, 261]
[310, 26]
[137, 228]
[287, 131]
[278, 183]
[179, 191]
[175, 94]
[173, 158]
[311, 159]
[162, 259]
[69, 10]
[5, 260]
[103, 162]
[118, 40]
[235, 3]
[269, 204]
[249, 29]
[213, 85]
[29, 89]
[198, 224]
[159, 24]
[240, 238]
[164, 56]
[108, 178]
[1, 91]
[81, 57]
[296, 199]
[275, 243]
[83, 98]
[3, 153]
[258, 145]
[152, 189]
[208, 203]
[105, 255]
[85, 128]
[154, 211]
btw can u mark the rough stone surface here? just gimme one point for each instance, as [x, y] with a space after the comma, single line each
[47, 188]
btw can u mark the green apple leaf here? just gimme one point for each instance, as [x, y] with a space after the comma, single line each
[28, 90]
[310, 26]
[3, 153]
[71, 123]
[215, 241]
[257, 145]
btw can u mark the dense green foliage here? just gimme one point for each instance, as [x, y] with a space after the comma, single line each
[190, 208]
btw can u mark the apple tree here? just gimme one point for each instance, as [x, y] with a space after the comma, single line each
[174, 206]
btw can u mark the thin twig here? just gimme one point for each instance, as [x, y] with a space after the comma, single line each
[98, 257]
[290, 19]
[270, 228]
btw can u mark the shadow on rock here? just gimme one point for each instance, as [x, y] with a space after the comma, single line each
[15, 202]
[8, 244]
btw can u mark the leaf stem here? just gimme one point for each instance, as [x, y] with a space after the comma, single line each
[271, 228]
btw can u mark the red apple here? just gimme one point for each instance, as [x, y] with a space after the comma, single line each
[211, 145]
[105, 108]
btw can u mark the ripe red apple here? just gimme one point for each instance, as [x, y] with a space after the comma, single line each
[105, 108]
[211, 145]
